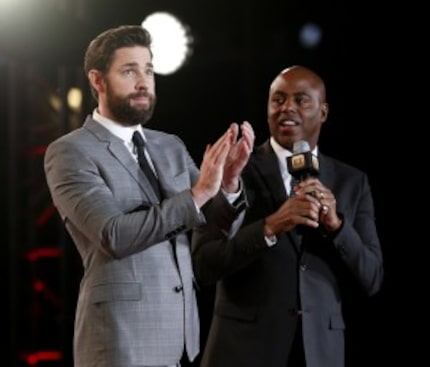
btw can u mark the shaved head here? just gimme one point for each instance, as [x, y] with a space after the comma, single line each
[303, 72]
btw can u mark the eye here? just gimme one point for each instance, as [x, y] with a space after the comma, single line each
[302, 99]
[278, 100]
[129, 72]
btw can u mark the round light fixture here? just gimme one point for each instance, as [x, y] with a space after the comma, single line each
[171, 43]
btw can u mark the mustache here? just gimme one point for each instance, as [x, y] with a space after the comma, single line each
[141, 94]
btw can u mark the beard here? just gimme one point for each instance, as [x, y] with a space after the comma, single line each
[125, 113]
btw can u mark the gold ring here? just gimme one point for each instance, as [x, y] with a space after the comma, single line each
[324, 209]
[321, 195]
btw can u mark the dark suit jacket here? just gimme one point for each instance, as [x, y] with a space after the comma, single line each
[261, 289]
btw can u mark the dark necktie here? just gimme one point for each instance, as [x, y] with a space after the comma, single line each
[143, 162]
[294, 181]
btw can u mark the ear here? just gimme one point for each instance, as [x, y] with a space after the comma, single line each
[96, 80]
[324, 112]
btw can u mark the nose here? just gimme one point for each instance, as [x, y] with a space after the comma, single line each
[288, 105]
[142, 82]
[141, 85]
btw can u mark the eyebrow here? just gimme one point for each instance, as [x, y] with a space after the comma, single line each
[134, 64]
[279, 92]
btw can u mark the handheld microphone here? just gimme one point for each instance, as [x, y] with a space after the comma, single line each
[302, 164]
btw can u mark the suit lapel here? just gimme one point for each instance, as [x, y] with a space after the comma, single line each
[326, 173]
[267, 163]
[160, 160]
[116, 147]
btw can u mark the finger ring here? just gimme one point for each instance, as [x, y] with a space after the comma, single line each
[324, 209]
[321, 195]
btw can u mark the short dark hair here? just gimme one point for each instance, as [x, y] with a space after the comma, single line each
[101, 49]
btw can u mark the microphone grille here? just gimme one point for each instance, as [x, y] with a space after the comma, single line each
[301, 146]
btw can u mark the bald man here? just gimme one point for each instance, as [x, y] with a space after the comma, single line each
[283, 278]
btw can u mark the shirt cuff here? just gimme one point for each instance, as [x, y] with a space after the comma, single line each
[271, 240]
[232, 197]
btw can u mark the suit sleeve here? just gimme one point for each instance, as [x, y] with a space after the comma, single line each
[93, 209]
[358, 242]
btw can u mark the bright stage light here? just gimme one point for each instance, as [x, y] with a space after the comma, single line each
[310, 35]
[171, 43]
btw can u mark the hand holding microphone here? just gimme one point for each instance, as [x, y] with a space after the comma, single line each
[299, 210]
[312, 204]
[304, 167]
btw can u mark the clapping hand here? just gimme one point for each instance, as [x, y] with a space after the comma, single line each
[212, 168]
[238, 155]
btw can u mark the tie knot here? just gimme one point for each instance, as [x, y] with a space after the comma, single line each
[138, 139]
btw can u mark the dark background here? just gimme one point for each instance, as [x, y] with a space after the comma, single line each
[239, 46]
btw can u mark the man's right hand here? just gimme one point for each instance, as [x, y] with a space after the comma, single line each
[238, 156]
[298, 210]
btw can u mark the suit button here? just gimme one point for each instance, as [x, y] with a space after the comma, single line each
[178, 288]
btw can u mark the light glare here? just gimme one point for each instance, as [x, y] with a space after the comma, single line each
[310, 35]
[170, 42]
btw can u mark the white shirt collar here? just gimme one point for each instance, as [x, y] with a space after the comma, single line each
[125, 133]
[283, 153]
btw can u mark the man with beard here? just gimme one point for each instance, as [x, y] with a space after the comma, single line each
[136, 304]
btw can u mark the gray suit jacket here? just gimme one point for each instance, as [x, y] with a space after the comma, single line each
[260, 289]
[136, 303]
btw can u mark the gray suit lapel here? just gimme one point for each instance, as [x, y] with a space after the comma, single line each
[159, 159]
[163, 154]
[116, 147]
